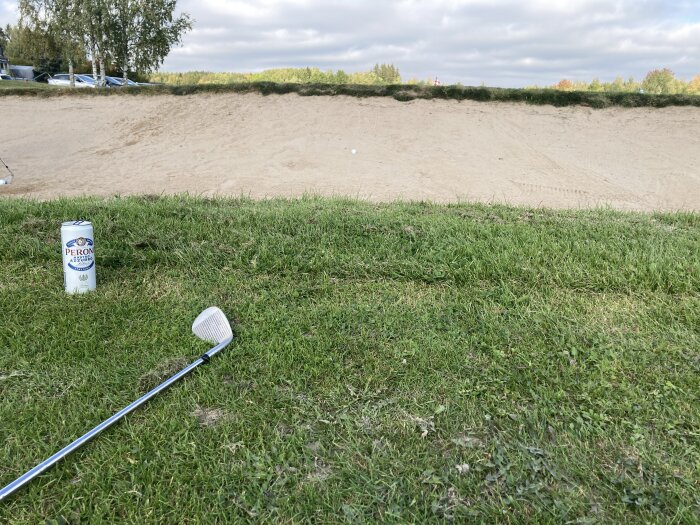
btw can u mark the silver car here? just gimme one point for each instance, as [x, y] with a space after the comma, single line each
[81, 81]
[109, 81]
[120, 81]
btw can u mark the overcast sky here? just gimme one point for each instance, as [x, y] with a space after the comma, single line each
[498, 42]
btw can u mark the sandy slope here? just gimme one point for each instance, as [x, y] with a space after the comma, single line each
[643, 159]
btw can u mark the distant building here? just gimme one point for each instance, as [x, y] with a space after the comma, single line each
[4, 63]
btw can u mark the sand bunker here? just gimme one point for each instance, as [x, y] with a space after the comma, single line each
[445, 151]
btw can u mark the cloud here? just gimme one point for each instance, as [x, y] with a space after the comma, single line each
[8, 12]
[498, 42]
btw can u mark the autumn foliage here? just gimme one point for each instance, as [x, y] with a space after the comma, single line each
[565, 85]
[656, 82]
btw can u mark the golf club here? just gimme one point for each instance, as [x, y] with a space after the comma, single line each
[8, 180]
[211, 326]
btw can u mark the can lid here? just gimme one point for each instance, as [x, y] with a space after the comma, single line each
[76, 223]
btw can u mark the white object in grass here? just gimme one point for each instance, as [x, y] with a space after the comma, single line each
[212, 326]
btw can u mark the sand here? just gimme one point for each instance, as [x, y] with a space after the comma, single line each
[444, 151]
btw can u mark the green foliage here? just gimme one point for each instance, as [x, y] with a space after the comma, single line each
[306, 75]
[33, 47]
[141, 34]
[596, 86]
[394, 363]
[657, 82]
[387, 73]
[15, 86]
[405, 92]
[131, 34]
[59, 21]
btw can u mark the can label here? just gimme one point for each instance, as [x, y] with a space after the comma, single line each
[80, 254]
[78, 247]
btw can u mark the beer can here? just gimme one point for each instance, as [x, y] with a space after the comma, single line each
[78, 246]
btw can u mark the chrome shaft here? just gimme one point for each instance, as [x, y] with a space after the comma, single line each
[46, 464]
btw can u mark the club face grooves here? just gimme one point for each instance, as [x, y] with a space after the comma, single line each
[212, 326]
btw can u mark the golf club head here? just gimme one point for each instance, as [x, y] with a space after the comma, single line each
[212, 326]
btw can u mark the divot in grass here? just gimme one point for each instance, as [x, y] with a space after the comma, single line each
[209, 417]
[425, 425]
[468, 441]
[321, 471]
[463, 468]
[160, 373]
[449, 504]
[10, 375]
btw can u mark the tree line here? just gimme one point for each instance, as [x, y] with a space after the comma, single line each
[380, 74]
[126, 35]
[656, 82]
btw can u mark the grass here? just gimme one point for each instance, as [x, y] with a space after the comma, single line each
[399, 362]
[20, 85]
[402, 93]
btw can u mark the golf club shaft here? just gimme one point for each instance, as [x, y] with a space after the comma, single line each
[7, 167]
[46, 464]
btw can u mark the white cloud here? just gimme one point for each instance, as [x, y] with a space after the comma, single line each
[8, 12]
[499, 42]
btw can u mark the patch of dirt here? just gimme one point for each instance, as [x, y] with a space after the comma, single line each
[160, 373]
[321, 471]
[468, 441]
[449, 503]
[209, 417]
[425, 425]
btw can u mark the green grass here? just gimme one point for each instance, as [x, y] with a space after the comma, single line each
[402, 93]
[399, 362]
[19, 85]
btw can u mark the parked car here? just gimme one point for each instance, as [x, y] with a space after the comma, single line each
[81, 81]
[120, 82]
[3, 76]
[98, 83]
[130, 83]
[109, 81]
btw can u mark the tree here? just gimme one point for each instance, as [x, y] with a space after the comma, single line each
[595, 85]
[387, 73]
[565, 85]
[67, 28]
[94, 20]
[34, 47]
[659, 82]
[694, 85]
[142, 33]
[617, 85]
[136, 34]
[4, 64]
[632, 85]
[60, 22]
[341, 77]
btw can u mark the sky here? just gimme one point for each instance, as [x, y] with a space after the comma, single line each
[508, 43]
